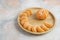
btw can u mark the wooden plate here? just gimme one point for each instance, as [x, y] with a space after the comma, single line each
[34, 21]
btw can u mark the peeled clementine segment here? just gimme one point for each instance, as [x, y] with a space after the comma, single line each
[23, 21]
[39, 29]
[28, 12]
[44, 27]
[33, 29]
[23, 14]
[26, 25]
[48, 24]
[23, 17]
[29, 28]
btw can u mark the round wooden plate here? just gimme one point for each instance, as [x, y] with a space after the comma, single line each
[31, 18]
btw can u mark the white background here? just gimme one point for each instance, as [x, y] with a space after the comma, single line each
[9, 10]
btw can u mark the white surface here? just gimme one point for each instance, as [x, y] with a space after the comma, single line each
[9, 29]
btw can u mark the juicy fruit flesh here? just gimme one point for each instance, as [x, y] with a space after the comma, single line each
[41, 14]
